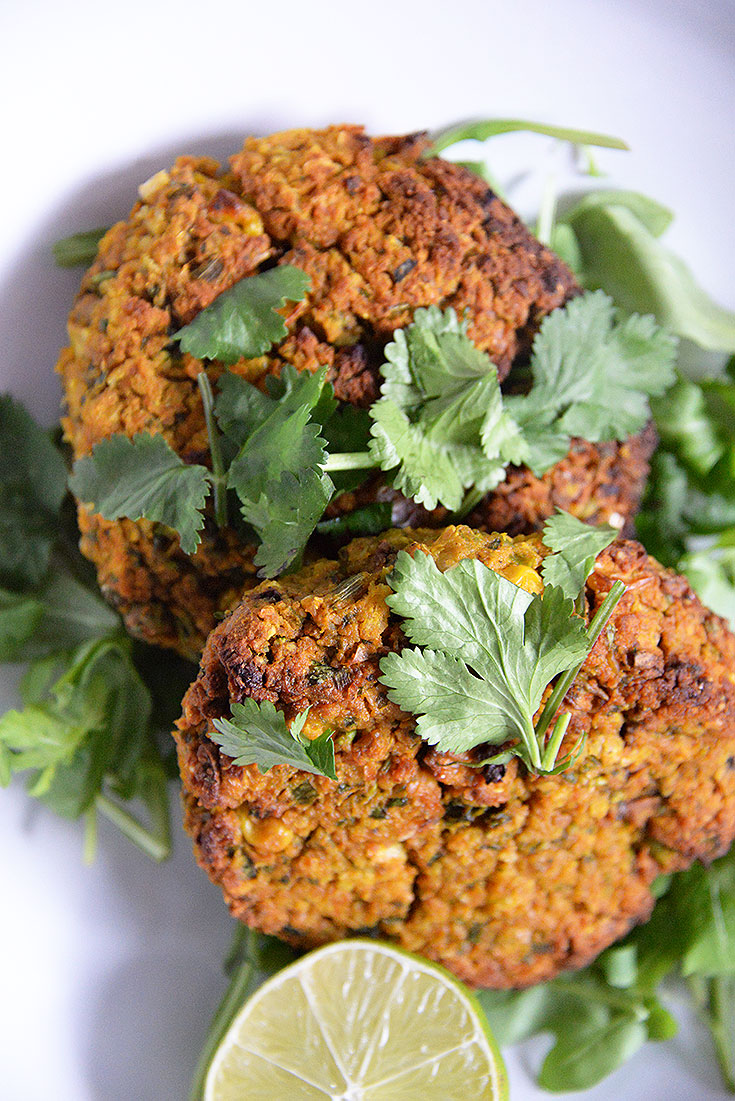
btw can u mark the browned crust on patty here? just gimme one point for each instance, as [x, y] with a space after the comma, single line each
[381, 229]
[504, 877]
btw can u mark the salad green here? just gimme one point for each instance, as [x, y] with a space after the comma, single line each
[96, 705]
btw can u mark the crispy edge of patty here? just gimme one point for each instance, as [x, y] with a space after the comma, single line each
[504, 877]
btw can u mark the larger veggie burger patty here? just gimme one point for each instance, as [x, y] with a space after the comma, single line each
[381, 229]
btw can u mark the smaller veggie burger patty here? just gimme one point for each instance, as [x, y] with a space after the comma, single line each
[382, 229]
[504, 876]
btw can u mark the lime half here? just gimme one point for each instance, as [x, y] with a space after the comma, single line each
[358, 1021]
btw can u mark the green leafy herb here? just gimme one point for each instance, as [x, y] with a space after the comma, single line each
[79, 248]
[482, 129]
[84, 727]
[243, 322]
[617, 241]
[32, 488]
[277, 472]
[576, 546]
[592, 377]
[252, 959]
[370, 520]
[600, 1016]
[143, 477]
[85, 734]
[440, 423]
[257, 734]
[490, 651]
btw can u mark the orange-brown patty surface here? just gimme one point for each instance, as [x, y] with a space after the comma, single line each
[381, 229]
[505, 877]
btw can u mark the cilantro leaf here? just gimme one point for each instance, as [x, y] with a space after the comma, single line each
[440, 424]
[143, 478]
[497, 649]
[284, 517]
[78, 248]
[592, 377]
[242, 322]
[576, 546]
[257, 734]
[277, 472]
[32, 488]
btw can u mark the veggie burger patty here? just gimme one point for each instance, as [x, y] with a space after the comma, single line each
[504, 876]
[381, 229]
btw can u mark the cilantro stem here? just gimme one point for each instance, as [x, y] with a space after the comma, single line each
[471, 498]
[241, 986]
[349, 460]
[219, 477]
[155, 845]
[566, 681]
[548, 760]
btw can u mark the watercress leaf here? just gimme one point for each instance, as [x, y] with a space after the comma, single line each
[576, 546]
[585, 1055]
[242, 322]
[482, 129]
[704, 901]
[257, 734]
[32, 488]
[19, 618]
[143, 478]
[711, 573]
[652, 215]
[78, 248]
[624, 258]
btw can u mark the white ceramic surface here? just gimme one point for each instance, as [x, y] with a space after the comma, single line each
[108, 974]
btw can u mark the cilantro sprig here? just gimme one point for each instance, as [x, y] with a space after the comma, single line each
[86, 736]
[257, 734]
[441, 429]
[487, 650]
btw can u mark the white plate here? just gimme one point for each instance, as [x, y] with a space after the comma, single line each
[110, 973]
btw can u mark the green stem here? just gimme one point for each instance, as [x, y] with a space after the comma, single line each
[547, 211]
[158, 848]
[349, 460]
[490, 128]
[629, 1003]
[90, 835]
[219, 478]
[566, 681]
[551, 752]
[471, 498]
[240, 988]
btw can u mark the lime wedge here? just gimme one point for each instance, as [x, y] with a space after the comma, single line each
[358, 1021]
